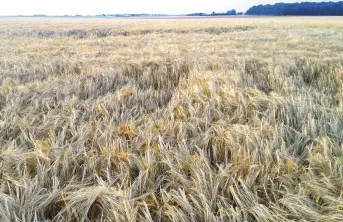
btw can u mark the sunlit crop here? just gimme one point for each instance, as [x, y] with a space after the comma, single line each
[228, 119]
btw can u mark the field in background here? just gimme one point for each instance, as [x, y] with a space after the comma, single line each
[237, 119]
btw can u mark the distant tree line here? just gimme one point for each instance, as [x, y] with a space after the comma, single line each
[230, 12]
[131, 15]
[303, 8]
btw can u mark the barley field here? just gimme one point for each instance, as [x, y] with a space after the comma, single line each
[221, 119]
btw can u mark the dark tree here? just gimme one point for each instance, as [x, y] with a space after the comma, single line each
[303, 8]
[231, 12]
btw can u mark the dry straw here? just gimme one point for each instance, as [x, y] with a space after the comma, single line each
[171, 120]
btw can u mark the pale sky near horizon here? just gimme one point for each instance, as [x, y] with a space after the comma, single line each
[93, 7]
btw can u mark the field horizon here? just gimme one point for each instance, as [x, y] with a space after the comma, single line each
[195, 119]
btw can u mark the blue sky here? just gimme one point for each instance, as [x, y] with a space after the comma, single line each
[92, 7]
